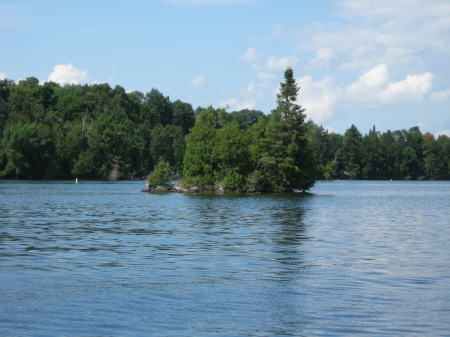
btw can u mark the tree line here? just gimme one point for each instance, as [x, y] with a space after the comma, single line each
[52, 131]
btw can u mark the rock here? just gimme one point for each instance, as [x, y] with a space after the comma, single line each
[175, 188]
[194, 189]
[220, 188]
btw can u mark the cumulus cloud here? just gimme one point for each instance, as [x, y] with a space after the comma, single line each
[68, 74]
[236, 104]
[280, 63]
[244, 105]
[318, 97]
[441, 96]
[250, 56]
[265, 76]
[381, 53]
[2, 76]
[323, 57]
[198, 80]
[267, 69]
[402, 34]
[374, 85]
[414, 87]
[443, 132]
[369, 84]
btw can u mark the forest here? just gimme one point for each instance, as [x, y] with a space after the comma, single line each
[93, 131]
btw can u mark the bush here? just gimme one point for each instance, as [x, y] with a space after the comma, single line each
[160, 176]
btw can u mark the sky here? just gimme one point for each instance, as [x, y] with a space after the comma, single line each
[379, 63]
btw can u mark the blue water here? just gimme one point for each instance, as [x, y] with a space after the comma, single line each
[104, 259]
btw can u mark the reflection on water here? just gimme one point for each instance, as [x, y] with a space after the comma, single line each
[102, 259]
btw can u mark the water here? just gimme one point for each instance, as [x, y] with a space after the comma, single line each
[103, 259]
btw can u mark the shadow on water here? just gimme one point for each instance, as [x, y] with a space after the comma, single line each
[257, 240]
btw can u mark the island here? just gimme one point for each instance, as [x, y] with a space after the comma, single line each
[272, 156]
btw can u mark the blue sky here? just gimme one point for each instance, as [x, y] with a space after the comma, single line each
[380, 62]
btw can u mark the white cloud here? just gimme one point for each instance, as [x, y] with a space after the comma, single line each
[443, 132]
[280, 63]
[198, 80]
[265, 76]
[267, 70]
[323, 57]
[318, 97]
[228, 102]
[68, 74]
[414, 87]
[384, 55]
[108, 80]
[236, 104]
[403, 34]
[440, 96]
[369, 84]
[2, 76]
[245, 105]
[276, 31]
[250, 56]
[374, 86]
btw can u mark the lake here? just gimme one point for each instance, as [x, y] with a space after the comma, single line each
[104, 259]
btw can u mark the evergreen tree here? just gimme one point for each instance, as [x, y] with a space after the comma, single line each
[351, 152]
[288, 163]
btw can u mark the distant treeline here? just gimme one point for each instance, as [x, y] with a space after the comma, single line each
[94, 131]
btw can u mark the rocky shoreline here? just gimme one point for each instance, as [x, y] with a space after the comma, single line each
[173, 188]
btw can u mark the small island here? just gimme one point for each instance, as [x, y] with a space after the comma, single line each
[272, 156]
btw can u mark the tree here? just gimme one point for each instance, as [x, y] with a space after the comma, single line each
[288, 162]
[371, 156]
[160, 176]
[437, 157]
[231, 155]
[389, 153]
[157, 108]
[410, 165]
[198, 159]
[28, 149]
[246, 118]
[167, 142]
[183, 116]
[351, 152]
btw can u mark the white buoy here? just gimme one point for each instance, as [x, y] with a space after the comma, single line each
[76, 180]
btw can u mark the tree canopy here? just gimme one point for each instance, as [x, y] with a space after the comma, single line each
[272, 156]
[49, 131]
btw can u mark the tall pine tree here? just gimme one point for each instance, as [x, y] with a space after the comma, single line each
[288, 163]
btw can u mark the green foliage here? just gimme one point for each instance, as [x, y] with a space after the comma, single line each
[275, 156]
[48, 131]
[184, 116]
[351, 152]
[168, 142]
[160, 176]
[198, 159]
[288, 162]
[28, 149]
[246, 118]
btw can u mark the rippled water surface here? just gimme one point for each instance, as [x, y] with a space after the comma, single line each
[103, 259]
